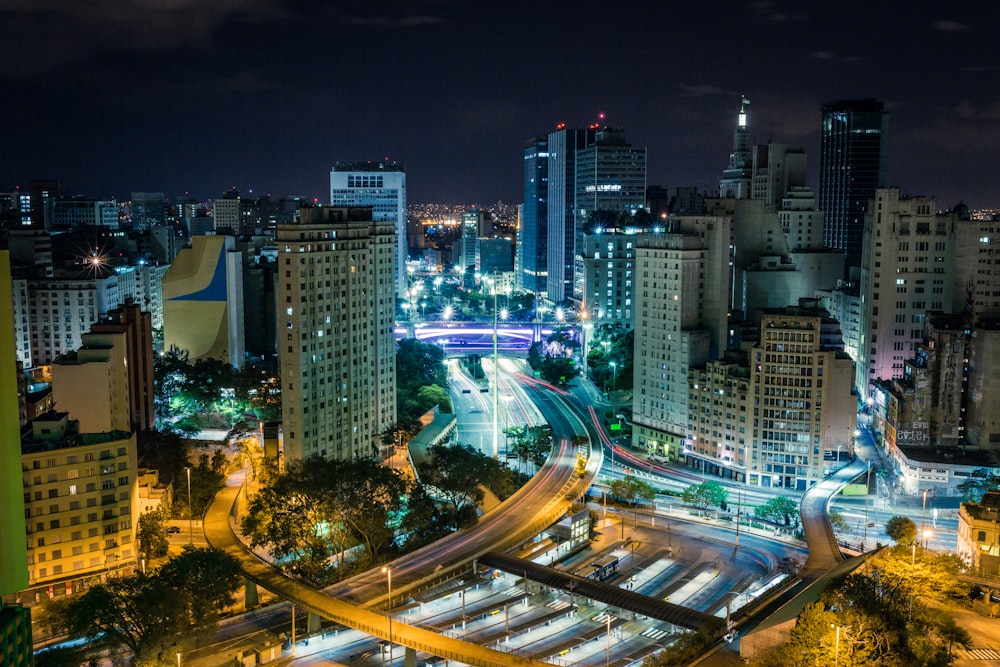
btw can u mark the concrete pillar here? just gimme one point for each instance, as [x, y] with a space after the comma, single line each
[313, 623]
[251, 599]
[410, 657]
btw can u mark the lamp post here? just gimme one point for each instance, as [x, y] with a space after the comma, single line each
[496, 379]
[388, 577]
[614, 376]
[190, 509]
[836, 647]
[178, 659]
[584, 316]
[868, 481]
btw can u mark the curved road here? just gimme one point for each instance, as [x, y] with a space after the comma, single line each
[534, 507]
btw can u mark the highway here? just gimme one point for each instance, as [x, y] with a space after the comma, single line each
[542, 501]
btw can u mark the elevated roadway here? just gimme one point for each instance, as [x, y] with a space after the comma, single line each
[536, 506]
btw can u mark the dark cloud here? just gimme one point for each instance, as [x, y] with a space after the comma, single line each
[949, 26]
[768, 11]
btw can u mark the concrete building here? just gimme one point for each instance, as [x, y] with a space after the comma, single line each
[149, 210]
[610, 177]
[679, 323]
[982, 413]
[79, 490]
[203, 301]
[977, 266]
[843, 302]
[135, 325]
[336, 347]
[93, 382]
[720, 419]
[805, 385]
[73, 213]
[467, 253]
[853, 147]
[226, 213]
[979, 534]
[608, 258]
[907, 270]
[496, 255]
[382, 187]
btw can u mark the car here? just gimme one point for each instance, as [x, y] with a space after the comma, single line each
[173, 529]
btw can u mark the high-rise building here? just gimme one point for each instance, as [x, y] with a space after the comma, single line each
[805, 383]
[907, 270]
[532, 236]
[336, 346]
[468, 249]
[78, 212]
[135, 325]
[680, 322]
[737, 177]
[382, 187]
[226, 213]
[561, 222]
[610, 176]
[13, 557]
[852, 166]
[203, 301]
[149, 209]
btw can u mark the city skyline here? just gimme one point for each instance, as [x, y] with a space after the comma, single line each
[268, 95]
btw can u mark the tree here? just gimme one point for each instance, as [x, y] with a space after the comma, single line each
[208, 578]
[152, 534]
[141, 612]
[980, 481]
[779, 509]
[559, 370]
[457, 473]
[705, 495]
[902, 530]
[531, 443]
[632, 489]
[838, 522]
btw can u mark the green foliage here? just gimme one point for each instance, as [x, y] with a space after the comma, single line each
[980, 481]
[318, 509]
[147, 614]
[688, 647]
[164, 451]
[705, 495]
[632, 490]
[208, 578]
[559, 370]
[901, 529]
[530, 443]
[206, 479]
[779, 509]
[838, 522]
[457, 472]
[419, 368]
[878, 615]
[151, 533]
[611, 344]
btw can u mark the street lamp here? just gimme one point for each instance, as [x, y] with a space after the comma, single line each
[190, 509]
[923, 511]
[496, 378]
[868, 481]
[614, 376]
[388, 577]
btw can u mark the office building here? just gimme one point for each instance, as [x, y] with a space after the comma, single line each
[532, 235]
[226, 213]
[467, 253]
[720, 419]
[853, 144]
[15, 637]
[74, 213]
[680, 322]
[203, 301]
[336, 346]
[610, 177]
[982, 415]
[563, 145]
[149, 210]
[382, 187]
[496, 255]
[134, 325]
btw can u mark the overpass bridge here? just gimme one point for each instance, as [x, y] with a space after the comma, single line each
[533, 508]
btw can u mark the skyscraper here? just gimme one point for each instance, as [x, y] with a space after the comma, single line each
[532, 237]
[335, 341]
[735, 181]
[852, 165]
[382, 186]
[561, 224]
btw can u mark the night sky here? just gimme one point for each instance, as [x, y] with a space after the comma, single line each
[116, 96]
